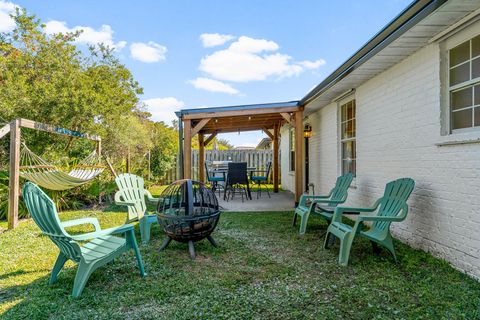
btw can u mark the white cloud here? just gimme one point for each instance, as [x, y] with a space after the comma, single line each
[250, 45]
[148, 52]
[88, 35]
[213, 85]
[6, 22]
[312, 64]
[249, 59]
[214, 39]
[163, 109]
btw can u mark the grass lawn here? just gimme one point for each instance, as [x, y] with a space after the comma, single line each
[262, 270]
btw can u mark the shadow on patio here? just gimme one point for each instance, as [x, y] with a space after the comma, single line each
[281, 201]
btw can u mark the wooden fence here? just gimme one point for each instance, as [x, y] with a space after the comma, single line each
[254, 158]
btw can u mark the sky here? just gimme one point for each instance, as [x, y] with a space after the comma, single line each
[210, 53]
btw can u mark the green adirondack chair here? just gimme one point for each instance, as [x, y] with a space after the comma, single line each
[101, 247]
[132, 194]
[392, 207]
[322, 206]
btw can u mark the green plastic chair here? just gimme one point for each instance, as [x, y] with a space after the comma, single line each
[132, 194]
[322, 206]
[102, 246]
[392, 207]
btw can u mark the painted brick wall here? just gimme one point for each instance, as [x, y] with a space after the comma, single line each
[398, 127]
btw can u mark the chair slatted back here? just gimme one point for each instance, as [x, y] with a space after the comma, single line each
[394, 200]
[207, 172]
[132, 189]
[269, 167]
[44, 213]
[340, 191]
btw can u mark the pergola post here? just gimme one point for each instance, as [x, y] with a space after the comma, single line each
[187, 149]
[14, 177]
[275, 158]
[201, 157]
[298, 155]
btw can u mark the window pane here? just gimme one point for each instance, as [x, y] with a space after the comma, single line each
[476, 46]
[344, 113]
[475, 68]
[460, 74]
[354, 167]
[462, 98]
[348, 150]
[346, 166]
[348, 129]
[477, 94]
[350, 111]
[462, 119]
[477, 116]
[460, 54]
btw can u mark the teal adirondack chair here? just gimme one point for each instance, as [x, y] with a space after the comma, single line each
[102, 246]
[392, 207]
[322, 206]
[132, 194]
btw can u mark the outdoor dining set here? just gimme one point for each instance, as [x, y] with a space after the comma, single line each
[235, 177]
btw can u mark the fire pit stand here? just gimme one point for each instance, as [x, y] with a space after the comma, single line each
[188, 212]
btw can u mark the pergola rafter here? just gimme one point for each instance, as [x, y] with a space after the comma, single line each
[263, 117]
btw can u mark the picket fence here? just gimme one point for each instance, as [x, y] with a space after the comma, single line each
[254, 158]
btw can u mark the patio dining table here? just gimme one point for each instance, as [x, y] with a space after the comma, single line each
[224, 170]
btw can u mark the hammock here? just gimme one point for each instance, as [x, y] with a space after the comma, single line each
[39, 171]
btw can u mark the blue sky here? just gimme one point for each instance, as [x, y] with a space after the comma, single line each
[250, 51]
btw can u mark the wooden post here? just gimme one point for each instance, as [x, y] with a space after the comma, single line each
[276, 130]
[187, 149]
[201, 157]
[14, 178]
[298, 155]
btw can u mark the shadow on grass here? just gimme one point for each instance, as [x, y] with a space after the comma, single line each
[261, 269]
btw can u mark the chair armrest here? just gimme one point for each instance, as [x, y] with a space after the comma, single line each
[398, 218]
[119, 202]
[378, 218]
[81, 221]
[305, 197]
[104, 232]
[150, 197]
[123, 203]
[339, 211]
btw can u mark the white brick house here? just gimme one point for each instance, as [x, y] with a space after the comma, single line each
[407, 104]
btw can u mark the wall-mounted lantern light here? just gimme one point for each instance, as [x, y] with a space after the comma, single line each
[307, 131]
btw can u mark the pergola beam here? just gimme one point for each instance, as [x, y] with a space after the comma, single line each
[199, 126]
[210, 138]
[234, 113]
[268, 133]
[287, 117]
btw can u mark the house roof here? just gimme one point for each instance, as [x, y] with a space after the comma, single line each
[244, 107]
[411, 30]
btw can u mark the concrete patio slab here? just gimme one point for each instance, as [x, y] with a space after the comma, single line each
[281, 201]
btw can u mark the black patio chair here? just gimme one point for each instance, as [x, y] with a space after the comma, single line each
[261, 179]
[215, 181]
[237, 181]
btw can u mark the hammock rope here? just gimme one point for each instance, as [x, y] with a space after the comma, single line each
[47, 175]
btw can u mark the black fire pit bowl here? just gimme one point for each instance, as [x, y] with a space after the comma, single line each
[188, 212]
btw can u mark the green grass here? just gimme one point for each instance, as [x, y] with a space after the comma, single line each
[261, 269]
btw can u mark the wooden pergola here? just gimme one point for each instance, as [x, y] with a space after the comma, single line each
[208, 122]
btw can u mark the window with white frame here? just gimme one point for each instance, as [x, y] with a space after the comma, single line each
[464, 85]
[292, 148]
[348, 133]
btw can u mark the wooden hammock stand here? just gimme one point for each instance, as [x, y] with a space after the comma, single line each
[14, 128]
